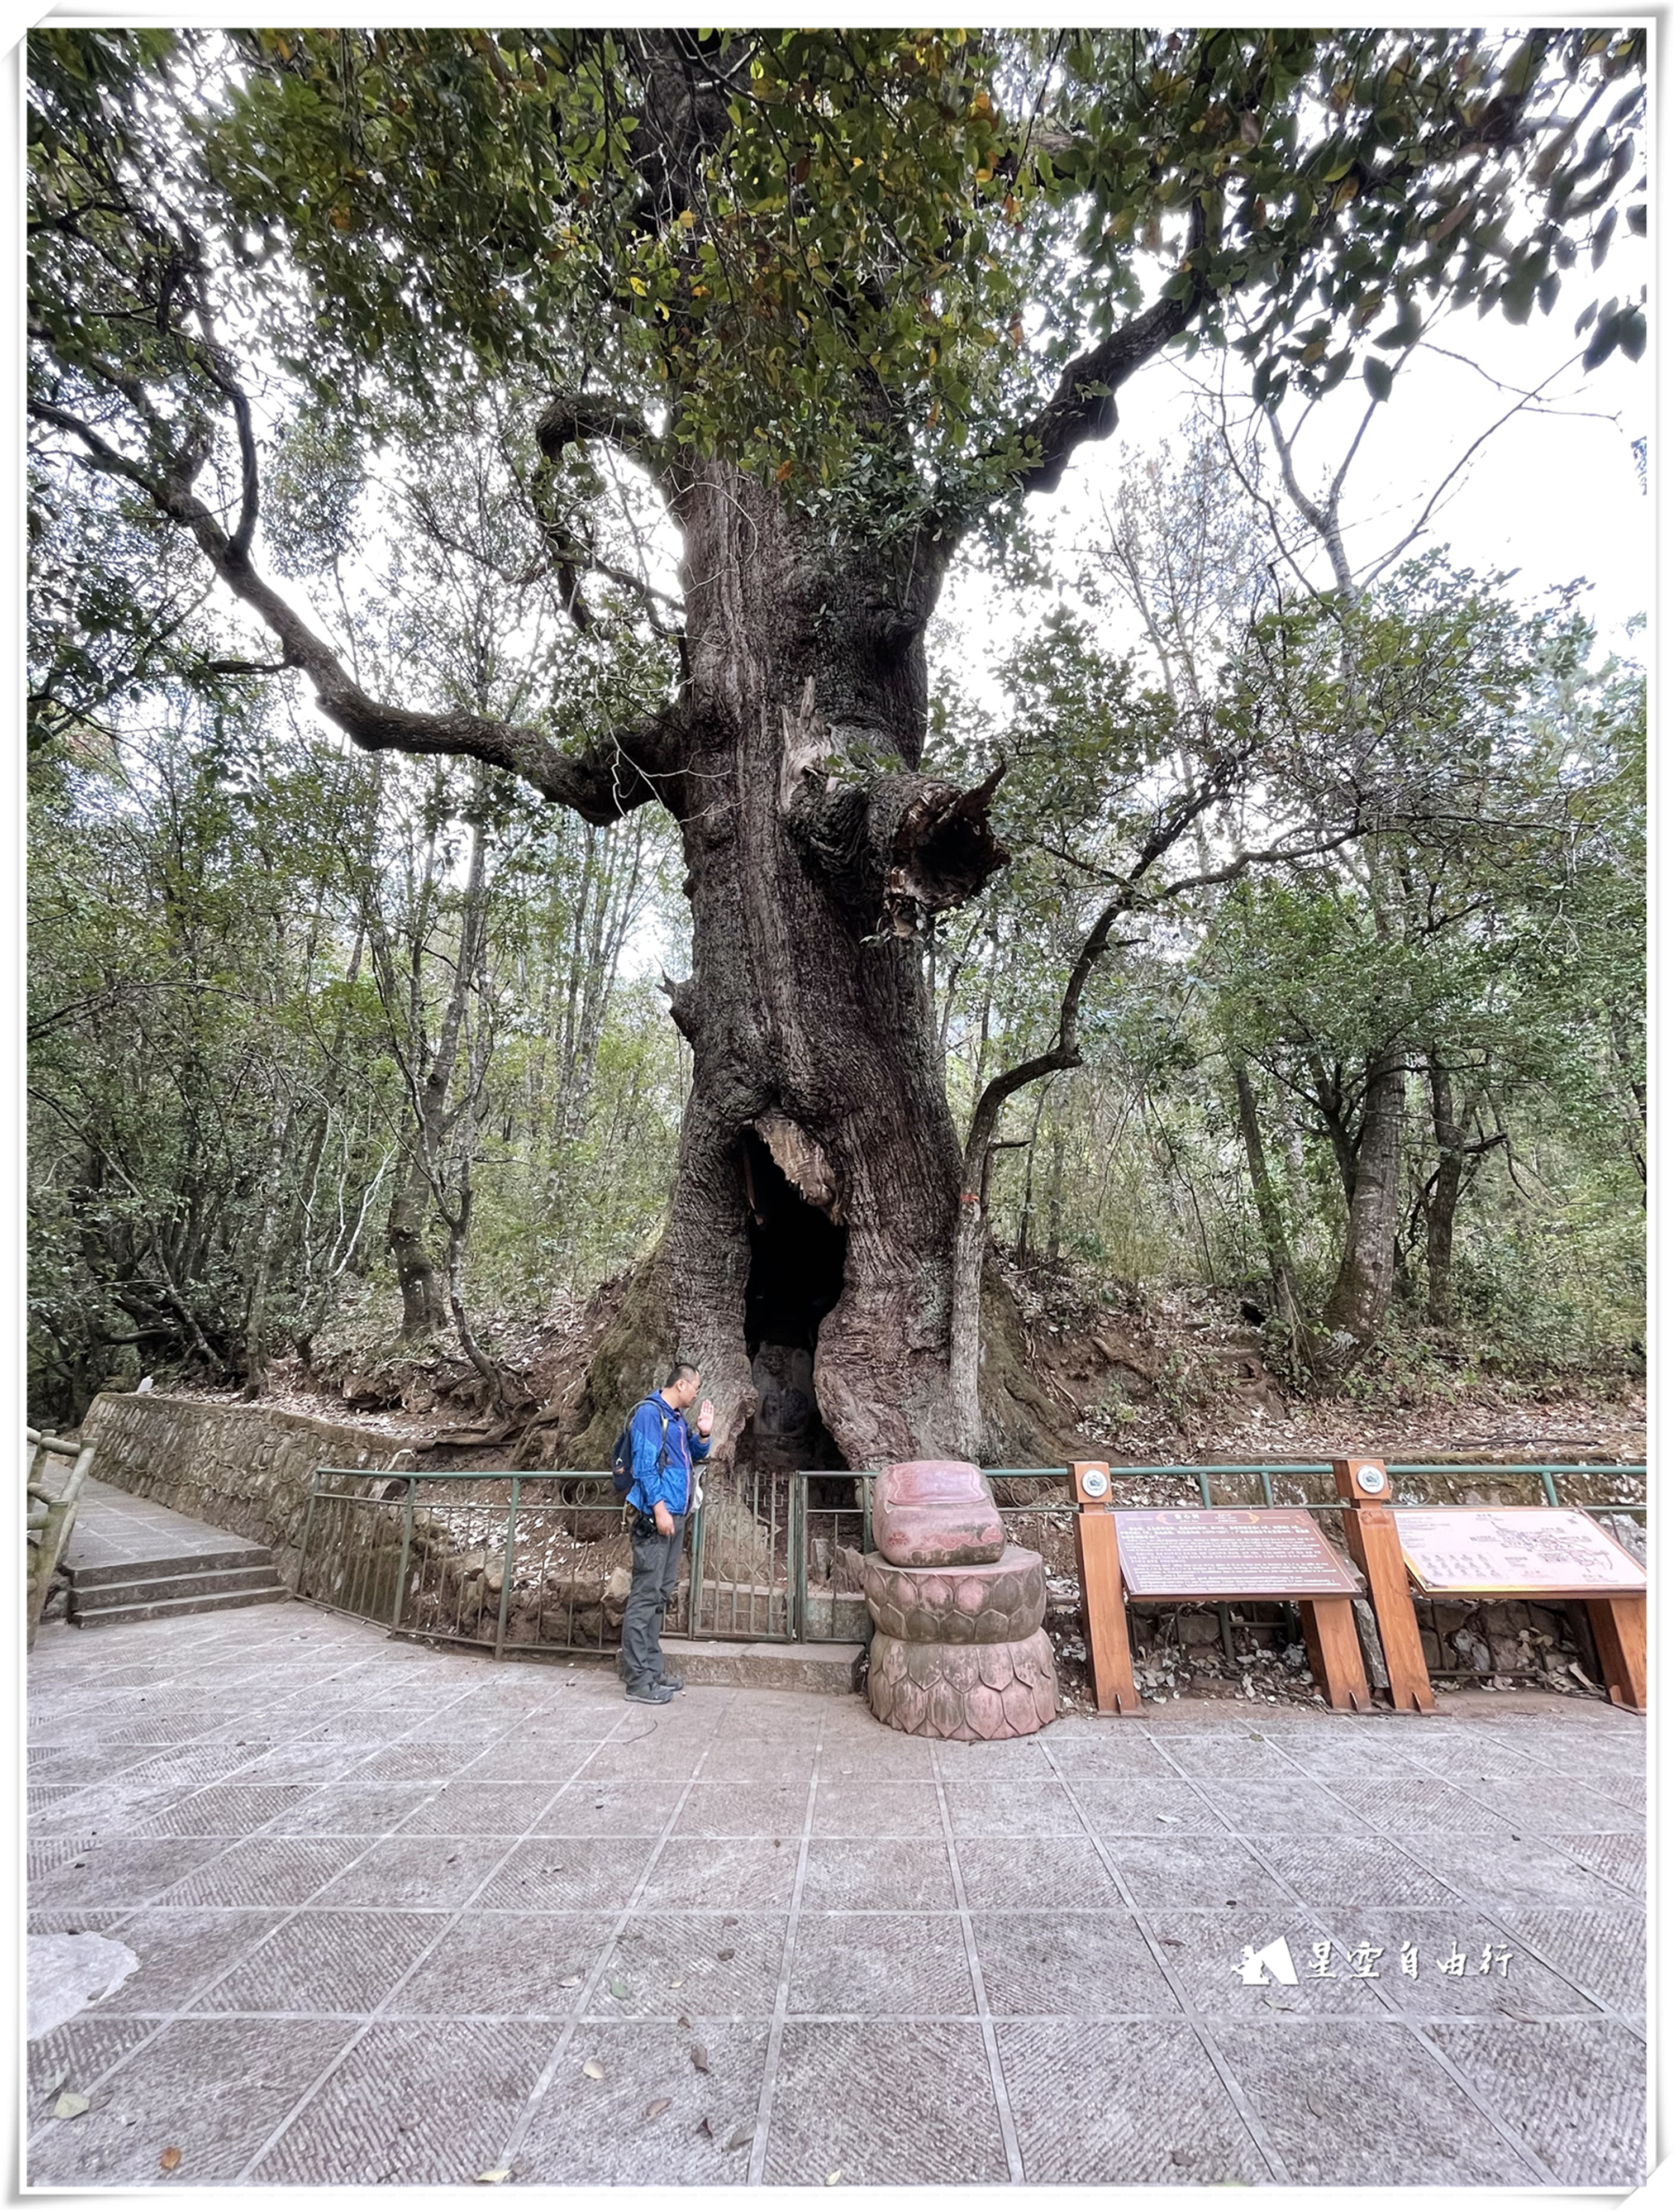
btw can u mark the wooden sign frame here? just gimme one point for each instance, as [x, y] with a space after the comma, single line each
[1329, 1624]
[1616, 1618]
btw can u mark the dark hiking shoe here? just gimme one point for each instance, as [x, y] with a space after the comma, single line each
[648, 1693]
[670, 1682]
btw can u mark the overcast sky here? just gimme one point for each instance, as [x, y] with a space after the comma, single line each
[1554, 494]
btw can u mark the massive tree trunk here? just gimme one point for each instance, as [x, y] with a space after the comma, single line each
[815, 1200]
[1367, 1270]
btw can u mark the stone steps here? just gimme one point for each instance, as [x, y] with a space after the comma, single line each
[159, 1590]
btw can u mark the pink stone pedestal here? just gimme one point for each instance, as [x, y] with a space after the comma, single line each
[958, 1648]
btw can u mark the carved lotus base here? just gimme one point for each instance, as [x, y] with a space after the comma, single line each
[1000, 1601]
[962, 1693]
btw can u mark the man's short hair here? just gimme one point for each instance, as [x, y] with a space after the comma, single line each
[680, 1367]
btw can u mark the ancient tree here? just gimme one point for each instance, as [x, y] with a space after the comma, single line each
[842, 300]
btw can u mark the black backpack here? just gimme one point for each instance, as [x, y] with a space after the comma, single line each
[622, 1451]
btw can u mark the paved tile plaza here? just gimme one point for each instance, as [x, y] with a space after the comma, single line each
[406, 1916]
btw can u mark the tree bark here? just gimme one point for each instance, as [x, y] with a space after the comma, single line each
[1446, 1193]
[1361, 1293]
[1277, 1246]
[812, 845]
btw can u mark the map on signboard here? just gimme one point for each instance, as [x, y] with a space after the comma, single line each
[1512, 1547]
[1274, 1550]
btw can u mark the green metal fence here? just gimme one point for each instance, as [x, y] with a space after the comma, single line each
[520, 1561]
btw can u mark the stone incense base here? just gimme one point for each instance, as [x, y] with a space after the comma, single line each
[963, 1692]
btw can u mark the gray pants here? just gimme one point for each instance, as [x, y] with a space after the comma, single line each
[657, 1569]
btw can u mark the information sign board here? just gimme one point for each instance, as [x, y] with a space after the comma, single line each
[1274, 1550]
[1532, 1549]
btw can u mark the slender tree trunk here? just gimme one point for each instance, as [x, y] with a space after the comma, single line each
[1361, 1293]
[1446, 1193]
[1276, 1245]
[1056, 1183]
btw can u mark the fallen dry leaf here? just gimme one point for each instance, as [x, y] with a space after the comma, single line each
[730, 1920]
[742, 2135]
[705, 2129]
[724, 1955]
[70, 2106]
[571, 1982]
[658, 2105]
[700, 2059]
[836, 2174]
[619, 1989]
[683, 2021]
[594, 2070]
[496, 2173]
[169, 2158]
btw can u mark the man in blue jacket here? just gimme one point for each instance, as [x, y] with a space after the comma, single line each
[664, 1450]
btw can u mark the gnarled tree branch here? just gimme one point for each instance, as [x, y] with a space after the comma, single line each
[604, 783]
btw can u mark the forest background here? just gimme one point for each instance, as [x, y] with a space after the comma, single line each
[333, 1055]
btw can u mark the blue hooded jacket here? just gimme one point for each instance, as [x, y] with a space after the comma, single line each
[658, 1427]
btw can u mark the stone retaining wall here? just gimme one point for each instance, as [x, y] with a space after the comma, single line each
[244, 1467]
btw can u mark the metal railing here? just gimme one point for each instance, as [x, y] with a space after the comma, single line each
[540, 1563]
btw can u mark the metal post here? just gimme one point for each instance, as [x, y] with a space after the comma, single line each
[867, 1482]
[307, 1525]
[407, 1548]
[695, 1578]
[797, 1533]
[1205, 1488]
[505, 1570]
[1548, 1489]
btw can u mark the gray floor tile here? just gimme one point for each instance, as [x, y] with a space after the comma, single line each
[511, 1964]
[1016, 1871]
[563, 1873]
[1036, 1808]
[1133, 2105]
[225, 1809]
[466, 1807]
[266, 1870]
[870, 1963]
[353, 1808]
[423, 1871]
[602, 2130]
[1361, 2102]
[1604, 1952]
[181, 1950]
[1206, 1947]
[326, 1962]
[722, 1871]
[416, 2102]
[1146, 1805]
[213, 2089]
[1289, 1807]
[1576, 2091]
[586, 1807]
[744, 1808]
[1337, 1871]
[74, 2056]
[851, 1875]
[1160, 1871]
[918, 2106]
[1619, 1860]
[667, 1963]
[120, 1871]
[848, 1805]
[1068, 1963]
[1511, 1871]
